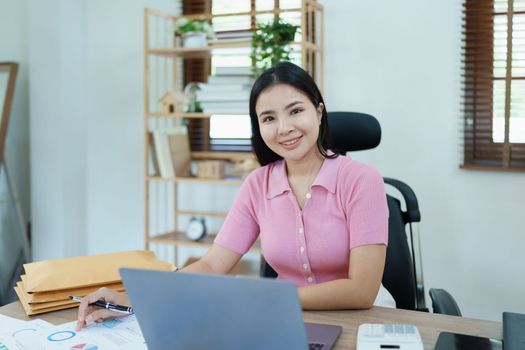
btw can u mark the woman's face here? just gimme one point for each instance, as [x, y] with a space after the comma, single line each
[288, 121]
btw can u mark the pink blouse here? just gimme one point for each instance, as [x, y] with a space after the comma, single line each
[345, 208]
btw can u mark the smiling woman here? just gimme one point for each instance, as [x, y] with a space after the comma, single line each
[322, 219]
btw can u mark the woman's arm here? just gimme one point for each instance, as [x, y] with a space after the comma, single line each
[358, 291]
[218, 260]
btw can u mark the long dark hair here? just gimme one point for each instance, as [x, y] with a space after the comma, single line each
[290, 74]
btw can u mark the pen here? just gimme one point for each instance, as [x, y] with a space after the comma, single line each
[100, 303]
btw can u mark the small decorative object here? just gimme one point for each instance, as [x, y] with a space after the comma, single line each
[270, 44]
[196, 229]
[173, 102]
[193, 104]
[244, 167]
[211, 169]
[194, 33]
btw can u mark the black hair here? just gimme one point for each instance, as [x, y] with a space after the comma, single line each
[293, 75]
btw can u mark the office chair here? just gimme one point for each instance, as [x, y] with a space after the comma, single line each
[443, 302]
[403, 275]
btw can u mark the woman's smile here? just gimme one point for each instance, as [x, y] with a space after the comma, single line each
[291, 144]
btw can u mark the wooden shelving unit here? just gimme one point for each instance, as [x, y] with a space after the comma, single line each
[163, 69]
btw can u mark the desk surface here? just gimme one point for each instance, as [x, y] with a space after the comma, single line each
[429, 324]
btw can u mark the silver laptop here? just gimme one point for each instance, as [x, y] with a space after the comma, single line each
[192, 311]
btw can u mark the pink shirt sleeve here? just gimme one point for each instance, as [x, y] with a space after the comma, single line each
[240, 228]
[365, 205]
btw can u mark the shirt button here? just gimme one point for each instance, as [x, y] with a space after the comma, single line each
[310, 279]
[308, 195]
[305, 266]
[301, 230]
[302, 249]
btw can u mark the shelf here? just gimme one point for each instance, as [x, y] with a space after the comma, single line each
[180, 239]
[233, 182]
[197, 51]
[189, 115]
[212, 214]
[179, 115]
[205, 51]
[232, 156]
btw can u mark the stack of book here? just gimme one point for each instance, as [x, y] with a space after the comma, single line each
[228, 91]
[47, 285]
[230, 37]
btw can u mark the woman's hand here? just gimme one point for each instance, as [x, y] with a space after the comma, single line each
[88, 314]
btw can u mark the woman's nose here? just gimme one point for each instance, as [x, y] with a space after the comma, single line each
[284, 126]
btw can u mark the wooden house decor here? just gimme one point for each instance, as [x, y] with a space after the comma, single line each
[173, 102]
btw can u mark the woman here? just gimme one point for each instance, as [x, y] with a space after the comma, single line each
[322, 218]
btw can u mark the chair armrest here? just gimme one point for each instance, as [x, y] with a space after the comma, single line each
[443, 302]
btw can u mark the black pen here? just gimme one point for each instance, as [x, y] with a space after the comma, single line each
[100, 303]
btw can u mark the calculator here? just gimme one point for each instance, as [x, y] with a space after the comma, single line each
[379, 336]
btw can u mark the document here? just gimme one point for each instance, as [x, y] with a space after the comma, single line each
[22, 335]
[120, 333]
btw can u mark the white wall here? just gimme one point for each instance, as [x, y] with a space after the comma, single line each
[57, 135]
[400, 61]
[86, 125]
[14, 47]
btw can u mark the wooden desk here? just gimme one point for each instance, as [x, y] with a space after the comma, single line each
[429, 324]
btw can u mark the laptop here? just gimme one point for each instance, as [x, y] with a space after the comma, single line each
[194, 311]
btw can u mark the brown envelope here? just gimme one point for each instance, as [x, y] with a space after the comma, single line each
[34, 307]
[45, 297]
[84, 271]
[29, 311]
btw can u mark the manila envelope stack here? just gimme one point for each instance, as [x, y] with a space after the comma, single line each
[47, 285]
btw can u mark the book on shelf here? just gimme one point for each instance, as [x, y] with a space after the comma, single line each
[230, 41]
[204, 88]
[162, 154]
[225, 107]
[230, 80]
[235, 71]
[154, 169]
[179, 148]
[172, 151]
[234, 34]
[223, 96]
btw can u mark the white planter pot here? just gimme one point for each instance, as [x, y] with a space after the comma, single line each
[194, 39]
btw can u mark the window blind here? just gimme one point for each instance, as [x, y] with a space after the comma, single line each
[494, 84]
[197, 69]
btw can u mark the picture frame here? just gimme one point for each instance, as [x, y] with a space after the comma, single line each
[14, 240]
[8, 74]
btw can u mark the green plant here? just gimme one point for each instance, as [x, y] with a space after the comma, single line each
[184, 25]
[270, 44]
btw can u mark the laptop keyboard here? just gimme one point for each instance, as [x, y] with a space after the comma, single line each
[315, 346]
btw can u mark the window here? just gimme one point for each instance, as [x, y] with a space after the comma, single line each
[233, 132]
[494, 85]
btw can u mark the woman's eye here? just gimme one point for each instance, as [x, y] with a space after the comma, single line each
[267, 119]
[296, 110]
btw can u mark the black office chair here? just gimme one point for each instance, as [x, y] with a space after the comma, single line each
[403, 275]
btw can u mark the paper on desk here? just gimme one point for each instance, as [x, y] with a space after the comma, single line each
[121, 333]
[83, 271]
[24, 335]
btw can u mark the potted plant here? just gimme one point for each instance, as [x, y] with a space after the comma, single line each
[270, 44]
[194, 33]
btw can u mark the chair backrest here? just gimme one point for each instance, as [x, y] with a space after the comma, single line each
[402, 276]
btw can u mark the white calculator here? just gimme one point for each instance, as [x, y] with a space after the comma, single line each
[378, 336]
